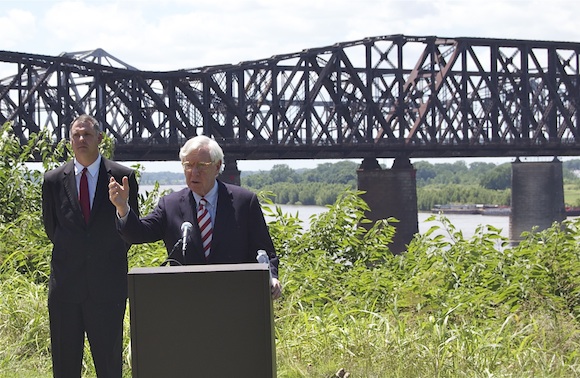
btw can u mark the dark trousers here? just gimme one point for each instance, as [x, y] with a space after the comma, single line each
[103, 325]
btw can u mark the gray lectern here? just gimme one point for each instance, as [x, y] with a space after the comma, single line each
[202, 321]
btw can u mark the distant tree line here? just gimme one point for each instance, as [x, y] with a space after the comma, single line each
[442, 183]
[163, 178]
[459, 183]
[319, 186]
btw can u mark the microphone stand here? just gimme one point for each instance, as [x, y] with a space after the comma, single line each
[171, 260]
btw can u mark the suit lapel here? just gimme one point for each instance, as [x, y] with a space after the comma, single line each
[187, 209]
[224, 214]
[70, 188]
[102, 189]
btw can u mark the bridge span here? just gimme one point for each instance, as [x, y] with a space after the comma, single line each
[390, 96]
[379, 97]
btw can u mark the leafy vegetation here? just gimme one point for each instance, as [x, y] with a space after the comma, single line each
[436, 194]
[437, 184]
[449, 306]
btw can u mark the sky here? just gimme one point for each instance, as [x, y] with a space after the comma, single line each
[165, 35]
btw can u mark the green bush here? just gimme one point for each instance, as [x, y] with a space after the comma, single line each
[448, 307]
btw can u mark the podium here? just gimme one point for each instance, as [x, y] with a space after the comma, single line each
[202, 321]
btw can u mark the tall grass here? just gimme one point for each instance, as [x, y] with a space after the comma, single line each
[24, 335]
[447, 307]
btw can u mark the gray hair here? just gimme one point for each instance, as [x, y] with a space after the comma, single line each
[201, 141]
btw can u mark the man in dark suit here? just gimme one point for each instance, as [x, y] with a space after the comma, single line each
[236, 229]
[88, 279]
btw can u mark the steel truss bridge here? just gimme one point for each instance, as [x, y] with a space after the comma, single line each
[380, 97]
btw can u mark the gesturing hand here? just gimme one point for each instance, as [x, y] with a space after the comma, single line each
[119, 195]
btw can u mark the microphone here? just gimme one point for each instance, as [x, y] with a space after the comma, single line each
[263, 258]
[185, 232]
[169, 258]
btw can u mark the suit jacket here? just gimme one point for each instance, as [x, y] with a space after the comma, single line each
[88, 260]
[239, 229]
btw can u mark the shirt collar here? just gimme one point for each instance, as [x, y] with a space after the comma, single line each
[210, 197]
[93, 168]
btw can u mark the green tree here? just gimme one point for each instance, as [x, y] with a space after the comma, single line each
[426, 172]
[572, 165]
[498, 178]
[342, 172]
[283, 173]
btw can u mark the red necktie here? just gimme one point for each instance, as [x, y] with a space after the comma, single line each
[204, 222]
[84, 196]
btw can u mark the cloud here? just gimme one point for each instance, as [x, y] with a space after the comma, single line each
[175, 34]
[18, 28]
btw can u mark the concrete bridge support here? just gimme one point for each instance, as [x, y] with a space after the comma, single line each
[537, 198]
[231, 173]
[391, 193]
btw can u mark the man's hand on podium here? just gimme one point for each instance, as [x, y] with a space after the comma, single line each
[276, 288]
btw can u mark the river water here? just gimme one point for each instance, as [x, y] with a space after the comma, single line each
[466, 223]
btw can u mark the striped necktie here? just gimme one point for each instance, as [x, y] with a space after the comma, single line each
[204, 222]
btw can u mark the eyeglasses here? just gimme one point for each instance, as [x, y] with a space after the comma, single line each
[201, 166]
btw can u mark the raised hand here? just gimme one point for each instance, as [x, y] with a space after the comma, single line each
[119, 195]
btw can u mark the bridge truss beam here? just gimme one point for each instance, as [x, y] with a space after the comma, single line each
[379, 97]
